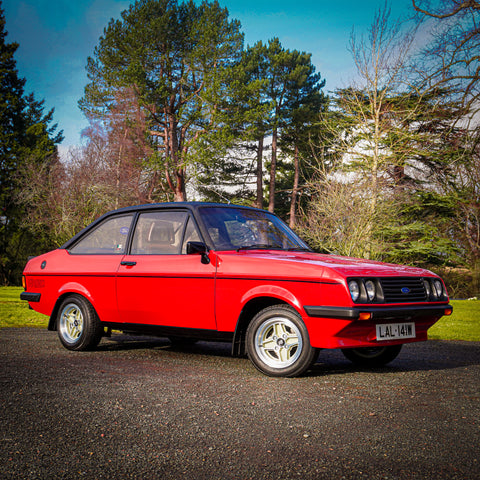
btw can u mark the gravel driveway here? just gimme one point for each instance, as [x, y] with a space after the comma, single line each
[138, 408]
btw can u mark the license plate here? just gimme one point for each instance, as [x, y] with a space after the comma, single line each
[393, 331]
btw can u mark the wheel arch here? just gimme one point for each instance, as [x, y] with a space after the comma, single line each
[64, 293]
[249, 310]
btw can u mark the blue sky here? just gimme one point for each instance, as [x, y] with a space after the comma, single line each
[57, 36]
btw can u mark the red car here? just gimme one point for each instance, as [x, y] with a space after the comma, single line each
[192, 271]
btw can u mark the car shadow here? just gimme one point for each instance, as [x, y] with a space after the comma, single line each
[433, 355]
[120, 342]
[130, 342]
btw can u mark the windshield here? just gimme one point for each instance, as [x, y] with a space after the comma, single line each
[240, 228]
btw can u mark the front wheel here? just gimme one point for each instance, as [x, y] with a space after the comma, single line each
[372, 356]
[278, 344]
[78, 325]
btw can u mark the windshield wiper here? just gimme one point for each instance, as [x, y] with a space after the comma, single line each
[259, 246]
[299, 249]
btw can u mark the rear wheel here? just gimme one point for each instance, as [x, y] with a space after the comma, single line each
[372, 356]
[278, 343]
[78, 325]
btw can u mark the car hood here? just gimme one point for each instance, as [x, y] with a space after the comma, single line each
[345, 266]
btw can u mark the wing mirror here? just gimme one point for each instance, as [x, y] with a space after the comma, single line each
[198, 248]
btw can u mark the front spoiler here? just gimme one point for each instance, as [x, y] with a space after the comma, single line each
[410, 312]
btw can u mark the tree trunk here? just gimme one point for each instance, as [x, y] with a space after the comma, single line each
[476, 277]
[174, 150]
[296, 178]
[180, 191]
[118, 168]
[259, 202]
[273, 171]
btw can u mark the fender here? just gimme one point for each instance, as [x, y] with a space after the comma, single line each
[266, 295]
[272, 291]
[66, 289]
[74, 287]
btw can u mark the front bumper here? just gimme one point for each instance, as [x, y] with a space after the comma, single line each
[410, 312]
[344, 327]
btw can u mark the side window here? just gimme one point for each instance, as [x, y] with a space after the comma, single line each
[159, 233]
[191, 235]
[109, 238]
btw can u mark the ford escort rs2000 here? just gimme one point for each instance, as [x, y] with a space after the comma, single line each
[192, 270]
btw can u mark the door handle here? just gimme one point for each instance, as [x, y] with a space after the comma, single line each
[128, 264]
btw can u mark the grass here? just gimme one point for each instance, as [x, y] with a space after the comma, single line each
[464, 324]
[15, 312]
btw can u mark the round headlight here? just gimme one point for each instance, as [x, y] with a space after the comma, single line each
[354, 289]
[370, 287]
[438, 287]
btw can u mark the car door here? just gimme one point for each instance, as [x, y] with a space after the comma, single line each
[89, 266]
[157, 282]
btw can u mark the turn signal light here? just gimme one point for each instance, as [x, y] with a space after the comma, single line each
[448, 311]
[365, 316]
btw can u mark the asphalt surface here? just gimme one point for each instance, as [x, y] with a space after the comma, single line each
[139, 408]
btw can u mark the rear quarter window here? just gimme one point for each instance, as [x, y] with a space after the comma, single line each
[109, 238]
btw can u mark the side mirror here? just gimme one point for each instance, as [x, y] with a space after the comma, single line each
[198, 248]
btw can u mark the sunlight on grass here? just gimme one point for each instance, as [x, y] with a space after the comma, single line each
[15, 312]
[463, 324]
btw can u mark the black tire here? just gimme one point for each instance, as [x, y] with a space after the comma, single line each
[78, 325]
[278, 343]
[372, 356]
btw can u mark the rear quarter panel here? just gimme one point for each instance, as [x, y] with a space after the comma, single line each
[92, 276]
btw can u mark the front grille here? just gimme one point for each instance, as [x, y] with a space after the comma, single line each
[403, 290]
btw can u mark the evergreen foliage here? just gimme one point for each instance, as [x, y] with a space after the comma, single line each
[173, 56]
[26, 137]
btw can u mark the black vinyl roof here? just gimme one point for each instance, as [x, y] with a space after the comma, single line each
[192, 206]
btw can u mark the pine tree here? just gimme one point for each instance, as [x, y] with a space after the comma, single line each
[12, 105]
[172, 55]
[26, 138]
